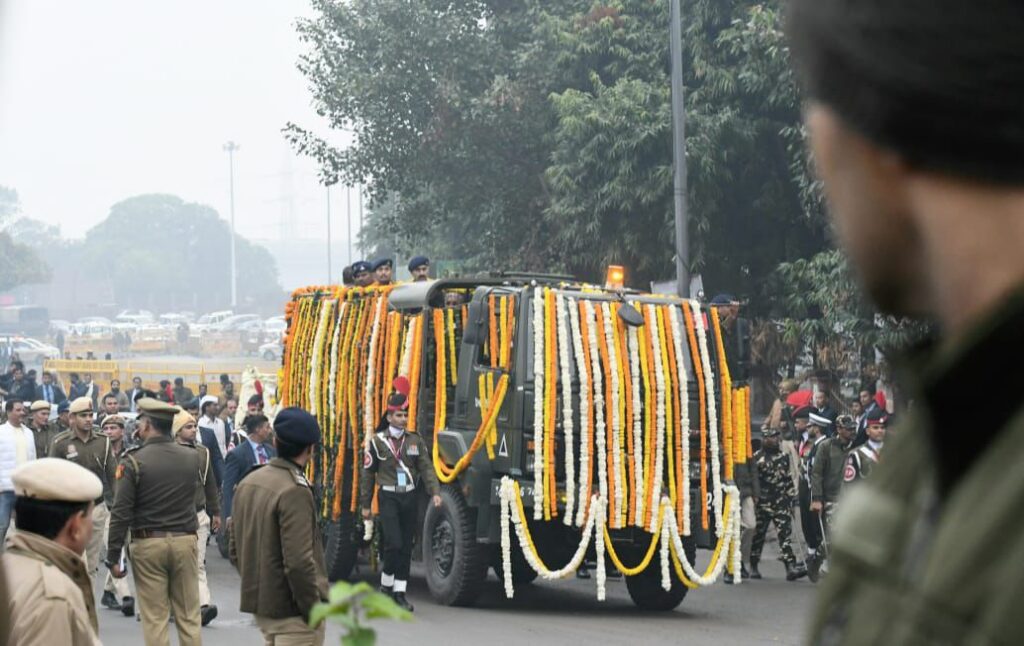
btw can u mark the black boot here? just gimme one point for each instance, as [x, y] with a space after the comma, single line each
[110, 601]
[754, 573]
[128, 606]
[387, 589]
[728, 579]
[794, 571]
[207, 614]
[743, 572]
[583, 572]
[402, 602]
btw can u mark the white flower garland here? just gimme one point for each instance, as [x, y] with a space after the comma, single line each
[601, 504]
[333, 378]
[509, 510]
[405, 363]
[367, 529]
[638, 427]
[581, 370]
[371, 368]
[618, 495]
[567, 420]
[709, 383]
[731, 541]
[666, 576]
[538, 404]
[659, 427]
[314, 364]
[599, 426]
[682, 489]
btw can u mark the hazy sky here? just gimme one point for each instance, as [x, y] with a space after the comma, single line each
[106, 99]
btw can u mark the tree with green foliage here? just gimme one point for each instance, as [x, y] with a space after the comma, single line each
[162, 252]
[19, 263]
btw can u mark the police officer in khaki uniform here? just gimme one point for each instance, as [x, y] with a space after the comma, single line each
[49, 592]
[117, 594]
[275, 540]
[89, 448]
[156, 501]
[42, 428]
[207, 506]
[397, 461]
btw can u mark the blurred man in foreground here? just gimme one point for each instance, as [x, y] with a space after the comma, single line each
[914, 115]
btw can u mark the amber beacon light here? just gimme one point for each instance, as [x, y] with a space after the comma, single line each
[615, 278]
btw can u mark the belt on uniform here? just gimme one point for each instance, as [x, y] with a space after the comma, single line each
[98, 501]
[158, 533]
[397, 489]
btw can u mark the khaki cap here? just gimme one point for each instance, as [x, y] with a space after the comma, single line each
[155, 408]
[113, 419]
[56, 479]
[42, 404]
[182, 419]
[81, 405]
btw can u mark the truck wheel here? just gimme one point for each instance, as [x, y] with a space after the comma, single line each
[456, 565]
[341, 547]
[522, 573]
[645, 588]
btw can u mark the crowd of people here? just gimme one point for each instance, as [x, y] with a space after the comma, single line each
[809, 455]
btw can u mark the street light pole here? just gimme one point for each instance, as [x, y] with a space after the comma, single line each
[360, 188]
[230, 147]
[328, 234]
[348, 215]
[679, 152]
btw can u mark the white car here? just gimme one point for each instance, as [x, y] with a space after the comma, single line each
[275, 325]
[30, 350]
[271, 351]
[207, 321]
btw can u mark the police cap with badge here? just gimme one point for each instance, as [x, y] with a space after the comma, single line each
[383, 262]
[418, 261]
[877, 416]
[81, 405]
[360, 267]
[156, 409]
[819, 420]
[42, 404]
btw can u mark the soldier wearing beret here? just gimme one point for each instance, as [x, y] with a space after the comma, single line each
[42, 428]
[419, 267]
[398, 462]
[275, 540]
[86, 446]
[362, 273]
[49, 591]
[862, 460]
[184, 431]
[156, 502]
[382, 271]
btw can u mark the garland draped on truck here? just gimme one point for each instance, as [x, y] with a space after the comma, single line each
[612, 420]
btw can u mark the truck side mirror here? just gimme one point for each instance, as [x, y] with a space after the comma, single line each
[475, 324]
[630, 316]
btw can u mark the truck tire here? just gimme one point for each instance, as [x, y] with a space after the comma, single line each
[455, 564]
[522, 573]
[341, 547]
[645, 588]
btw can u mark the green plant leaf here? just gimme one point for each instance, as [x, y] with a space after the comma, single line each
[381, 606]
[360, 637]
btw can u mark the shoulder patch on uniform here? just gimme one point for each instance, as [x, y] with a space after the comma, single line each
[133, 449]
[849, 473]
[60, 437]
[300, 479]
[367, 459]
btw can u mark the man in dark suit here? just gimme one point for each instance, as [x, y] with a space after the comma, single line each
[209, 440]
[134, 393]
[50, 391]
[253, 448]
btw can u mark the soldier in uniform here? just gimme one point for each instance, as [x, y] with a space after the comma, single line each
[49, 592]
[156, 502]
[827, 480]
[275, 539]
[397, 461]
[207, 506]
[777, 498]
[382, 271]
[117, 594]
[362, 273]
[42, 428]
[63, 421]
[419, 267]
[913, 115]
[813, 436]
[861, 461]
[86, 446]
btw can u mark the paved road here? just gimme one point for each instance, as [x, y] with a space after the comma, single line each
[770, 611]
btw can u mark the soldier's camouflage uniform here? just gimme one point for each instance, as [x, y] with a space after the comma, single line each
[775, 504]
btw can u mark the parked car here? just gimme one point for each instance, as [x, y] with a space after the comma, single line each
[275, 324]
[234, 323]
[271, 351]
[29, 350]
[207, 321]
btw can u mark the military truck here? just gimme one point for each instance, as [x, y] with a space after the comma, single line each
[344, 346]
